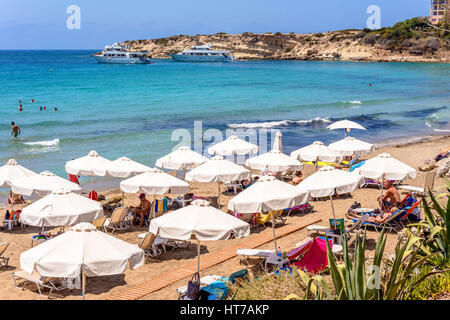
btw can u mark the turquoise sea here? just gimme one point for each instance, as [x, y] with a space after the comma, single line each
[132, 110]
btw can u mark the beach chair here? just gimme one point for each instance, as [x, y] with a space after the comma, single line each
[150, 244]
[117, 221]
[377, 184]
[39, 281]
[263, 218]
[336, 237]
[99, 223]
[253, 253]
[427, 185]
[300, 210]
[393, 221]
[111, 203]
[3, 260]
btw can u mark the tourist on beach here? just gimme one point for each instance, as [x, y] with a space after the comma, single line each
[298, 177]
[143, 210]
[15, 130]
[391, 199]
[248, 182]
[15, 198]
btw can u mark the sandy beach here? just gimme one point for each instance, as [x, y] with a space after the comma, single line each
[101, 287]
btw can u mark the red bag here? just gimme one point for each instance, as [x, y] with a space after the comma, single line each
[93, 195]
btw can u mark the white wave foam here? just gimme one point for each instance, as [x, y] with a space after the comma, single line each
[45, 143]
[353, 102]
[272, 124]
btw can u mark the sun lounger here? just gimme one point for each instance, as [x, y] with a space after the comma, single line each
[164, 242]
[117, 222]
[3, 259]
[394, 221]
[253, 253]
[150, 245]
[271, 217]
[377, 184]
[428, 184]
[111, 203]
[99, 223]
[43, 282]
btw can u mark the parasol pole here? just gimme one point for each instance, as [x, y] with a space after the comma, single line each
[83, 283]
[198, 257]
[332, 208]
[273, 231]
[218, 193]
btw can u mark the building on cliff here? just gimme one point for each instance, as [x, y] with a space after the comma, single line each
[439, 11]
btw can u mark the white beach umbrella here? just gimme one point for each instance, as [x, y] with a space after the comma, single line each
[61, 208]
[278, 144]
[200, 221]
[386, 167]
[85, 166]
[81, 250]
[121, 168]
[268, 194]
[154, 182]
[351, 146]
[233, 146]
[274, 161]
[218, 170]
[12, 170]
[316, 152]
[328, 181]
[182, 159]
[42, 184]
[347, 125]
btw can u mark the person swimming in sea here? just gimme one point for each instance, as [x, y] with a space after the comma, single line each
[40, 108]
[20, 108]
[15, 130]
[56, 109]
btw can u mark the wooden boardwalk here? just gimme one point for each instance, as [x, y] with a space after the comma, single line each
[154, 284]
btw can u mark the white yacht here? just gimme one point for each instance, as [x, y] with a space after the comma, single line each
[203, 53]
[120, 54]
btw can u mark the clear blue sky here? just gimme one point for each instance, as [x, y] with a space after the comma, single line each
[31, 24]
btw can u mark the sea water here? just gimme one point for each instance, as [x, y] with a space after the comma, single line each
[132, 110]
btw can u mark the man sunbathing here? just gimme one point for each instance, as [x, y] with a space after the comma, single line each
[391, 199]
[297, 178]
[143, 210]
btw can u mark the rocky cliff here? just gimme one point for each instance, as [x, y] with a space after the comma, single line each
[412, 40]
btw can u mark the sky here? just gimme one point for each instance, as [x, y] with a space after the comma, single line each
[31, 24]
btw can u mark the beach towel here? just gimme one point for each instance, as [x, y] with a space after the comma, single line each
[161, 205]
[353, 167]
[217, 290]
[300, 250]
[315, 259]
[73, 178]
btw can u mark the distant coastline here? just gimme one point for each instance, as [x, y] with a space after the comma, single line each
[409, 41]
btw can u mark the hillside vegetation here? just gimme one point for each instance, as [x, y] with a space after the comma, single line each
[411, 40]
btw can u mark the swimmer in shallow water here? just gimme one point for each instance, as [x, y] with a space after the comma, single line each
[15, 130]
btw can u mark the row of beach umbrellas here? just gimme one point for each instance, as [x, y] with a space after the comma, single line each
[93, 253]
